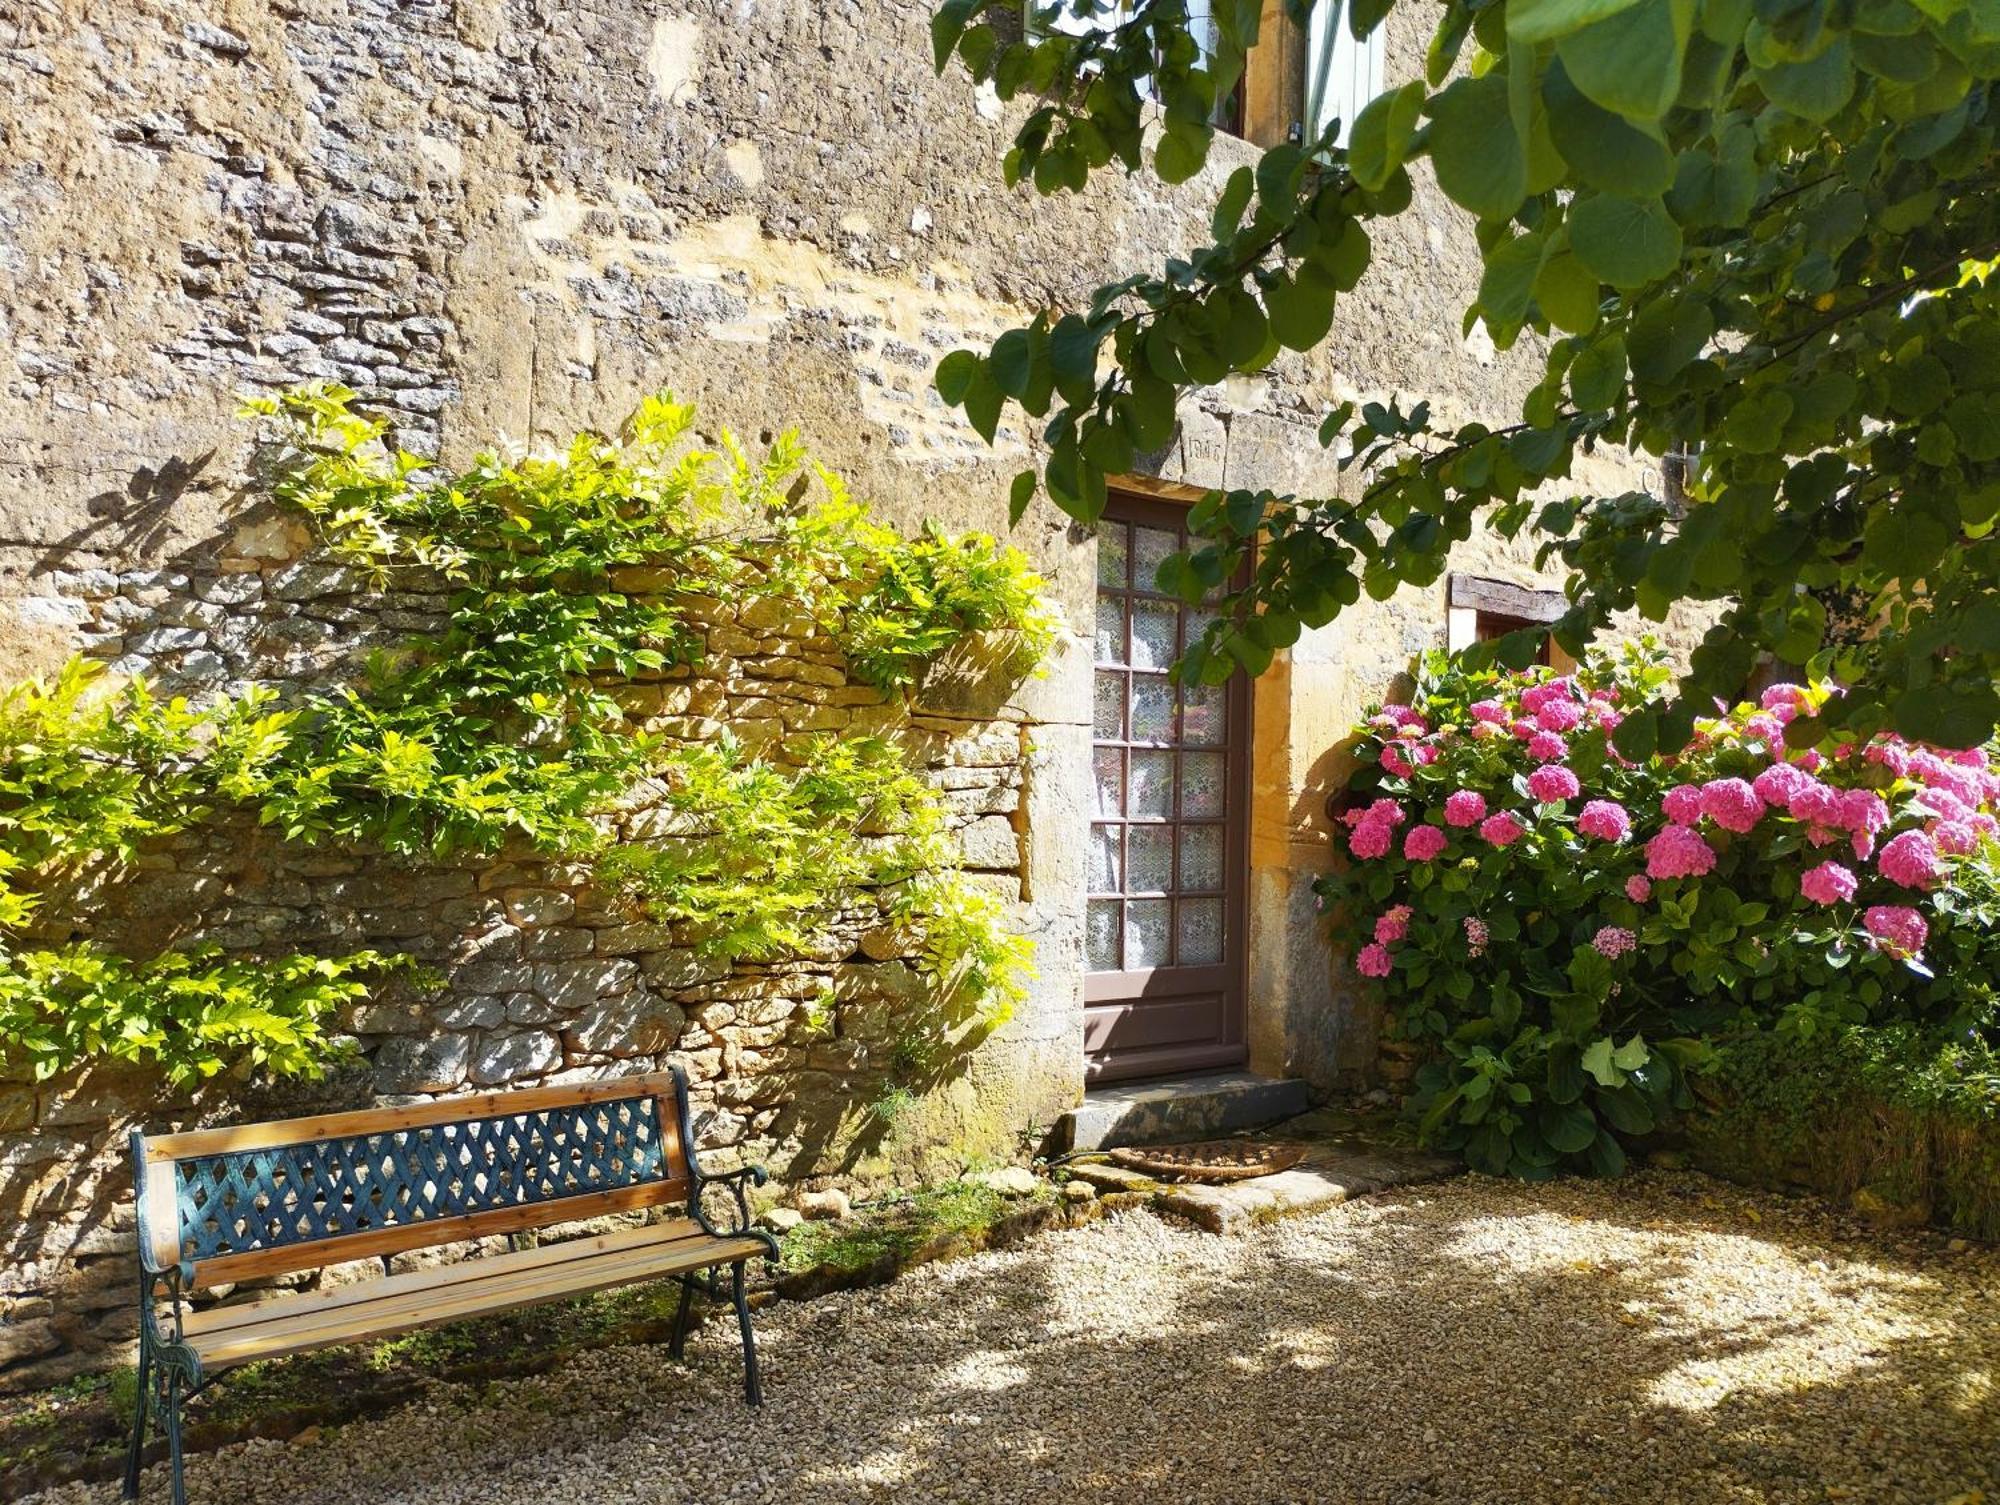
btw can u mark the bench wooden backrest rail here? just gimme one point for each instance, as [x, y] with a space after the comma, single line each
[266, 1199]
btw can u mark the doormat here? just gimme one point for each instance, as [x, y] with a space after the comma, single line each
[1212, 1159]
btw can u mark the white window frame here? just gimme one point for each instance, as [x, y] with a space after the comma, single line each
[1342, 74]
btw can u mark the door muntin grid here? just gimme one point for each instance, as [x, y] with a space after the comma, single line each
[1159, 839]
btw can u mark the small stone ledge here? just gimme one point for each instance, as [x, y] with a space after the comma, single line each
[1326, 1178]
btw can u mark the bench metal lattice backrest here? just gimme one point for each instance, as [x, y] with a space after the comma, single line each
[267, 1198]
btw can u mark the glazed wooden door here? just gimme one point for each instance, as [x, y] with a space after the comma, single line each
[1169, 852]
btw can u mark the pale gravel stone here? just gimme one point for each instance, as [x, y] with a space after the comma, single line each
[1664, 1339]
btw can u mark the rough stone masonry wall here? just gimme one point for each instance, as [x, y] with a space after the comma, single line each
[546, 977]
[515, 217]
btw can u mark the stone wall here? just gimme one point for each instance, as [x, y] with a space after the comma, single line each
[505, 217]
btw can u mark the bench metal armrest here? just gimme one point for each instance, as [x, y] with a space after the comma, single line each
[739, 1182]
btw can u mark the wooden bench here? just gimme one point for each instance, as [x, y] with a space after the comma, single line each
[257, 1200]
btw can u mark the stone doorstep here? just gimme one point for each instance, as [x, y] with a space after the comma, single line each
[1179, 1110]
[1328, 1176]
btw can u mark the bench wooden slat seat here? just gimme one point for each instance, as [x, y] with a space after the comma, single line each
[228, 1335]
[256, 1200]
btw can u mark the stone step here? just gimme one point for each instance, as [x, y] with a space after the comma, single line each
[1178, 1110]
[1328, 1176]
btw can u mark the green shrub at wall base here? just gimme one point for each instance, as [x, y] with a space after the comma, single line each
[1898, 1116]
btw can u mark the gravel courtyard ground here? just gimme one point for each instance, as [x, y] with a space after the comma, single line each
[1662, 1339]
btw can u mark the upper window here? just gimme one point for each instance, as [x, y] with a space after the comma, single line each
[1342, 74]
[1480, 610]
[1110, 14]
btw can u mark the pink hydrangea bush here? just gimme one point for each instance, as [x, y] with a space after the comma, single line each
[1574, 926]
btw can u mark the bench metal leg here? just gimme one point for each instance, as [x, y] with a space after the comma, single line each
[753, 1392]
[677, 1345]
[174, 1437]
[142, 1403]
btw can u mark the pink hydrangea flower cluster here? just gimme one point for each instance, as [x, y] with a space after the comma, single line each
[1638, 888]
[1393, 924]
[1607, 820]
[1679, 852]
[1732, 804]
[1503, 829]
[1425, 843]
[1464, 807]
[1829, 883]
[1373, 960]
[1910, 859]
[1476, 935]
[1896, 928]
[1552, 784]
[1613, 941]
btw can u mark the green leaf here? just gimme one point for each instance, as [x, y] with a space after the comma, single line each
[1815, 89]
[1011, 366]
[1509, 280]
[1597, 1062]
[1625, 242]
[1182, 150]
[1597, 375]
[1546, 20]
[1631, 1055]
[1019, 496]
[1379, 141]
[1568, 1130]
[1481, 164]
[1630, 62]
[946, 27]
[1301, 309]
[1234, 200]
[1607, 152]
[955, 374]
[1568, 293]
[1606, 1157]
[1666, 336]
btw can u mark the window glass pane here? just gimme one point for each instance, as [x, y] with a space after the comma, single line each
[1152, 784]
[1152, 708]
[1101, 931]
[1201, 857]
[1150, 547]
[1104, 863]
[1342, 75]
[1153, 625]
[1109, 765]
[1151, 849]
[1109, 715]
[1110, 630]
[1113, 543]
[1146, 937]
[1202, 783]
[1202, 715]
[1200, 932]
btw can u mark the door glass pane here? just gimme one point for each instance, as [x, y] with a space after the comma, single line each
[1112, 544]
[1152, 708]
[1101, 928]
[1152, 546]
[1104, 860]
[1108, 719]
[1201, 715]
[1109, 765]
[1202, 785]
[1201, 858]
[1200, 931]
[1152, 784]
[1153, 624]
[1151, 850]
[1110, 630]
[1146, 936]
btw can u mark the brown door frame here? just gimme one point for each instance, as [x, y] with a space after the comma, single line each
[1140, 989]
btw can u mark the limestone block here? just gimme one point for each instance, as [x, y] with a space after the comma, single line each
[572, 985]
[511, 1056]
[637, 1024]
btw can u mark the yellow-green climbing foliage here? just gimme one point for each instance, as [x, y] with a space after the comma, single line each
[568, 575]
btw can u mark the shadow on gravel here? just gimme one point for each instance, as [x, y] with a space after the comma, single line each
[1668, 1339]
